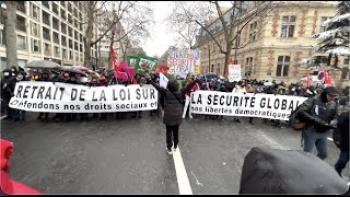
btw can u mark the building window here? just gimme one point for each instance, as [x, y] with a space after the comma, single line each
[346, 61]
[34, 11]
[56, 38]
[81, 37]
[70, 31]
[21, 6]
[322, 26]
[249, 66]
[21, 42]
[70, 54]
[81, 48]
[64, 53]
[35, 46]
[63, 3]
[76, 46]
[76, 35]
[76, 56]
[345, 74]
[288, 24]
[2, 37]
[80, 17]
[63, 41]
[63, 14]
[57, 51]
[70, 7]
[63, 28]
[80, 27]
[55, 8]
[75, 12]
[21, 23]
[282, 66]
[47, 49]
[46, 34]
[70, 43]
[46, 4]
[252, 31]
[76, 23]
[55, 23]
[3, 62]
[35, 29]
[46, 18]
[70, 20]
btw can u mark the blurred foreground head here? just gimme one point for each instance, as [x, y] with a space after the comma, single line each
[270, 171]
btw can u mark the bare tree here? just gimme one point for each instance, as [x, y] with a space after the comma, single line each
[116, 14]
[231, 23]
[187, 31]
[94, 9]
[10, 32]
[134, 26]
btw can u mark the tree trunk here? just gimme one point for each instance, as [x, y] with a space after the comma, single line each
[227, 57]
[10, 34]
[88, 34]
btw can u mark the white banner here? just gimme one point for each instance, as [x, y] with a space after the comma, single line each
[239, 104]
[234, 72]
[62, 98]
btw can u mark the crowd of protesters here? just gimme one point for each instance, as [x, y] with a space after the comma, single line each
[15, 74]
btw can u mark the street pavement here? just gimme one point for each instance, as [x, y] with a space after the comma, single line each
[128, 156]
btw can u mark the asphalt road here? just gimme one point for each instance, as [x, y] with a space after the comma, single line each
[128, 156]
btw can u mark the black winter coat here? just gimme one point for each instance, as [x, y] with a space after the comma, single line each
[318, 113]
[343, 130]
[173, 104]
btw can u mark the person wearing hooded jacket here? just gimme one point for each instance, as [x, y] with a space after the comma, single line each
[173, 109]
[318, 112]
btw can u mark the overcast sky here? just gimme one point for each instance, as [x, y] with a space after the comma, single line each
[161, 35]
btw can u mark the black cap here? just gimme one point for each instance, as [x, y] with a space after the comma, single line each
[332, 91]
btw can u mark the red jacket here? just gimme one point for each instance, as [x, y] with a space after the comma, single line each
[7, 185]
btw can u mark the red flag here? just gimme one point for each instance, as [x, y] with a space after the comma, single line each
[328, 81]
[308, 80]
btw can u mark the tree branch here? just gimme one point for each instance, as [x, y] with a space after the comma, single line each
[212, 36]
[241, 46]
[109, 28]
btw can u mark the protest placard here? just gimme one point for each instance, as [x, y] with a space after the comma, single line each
[234, 72]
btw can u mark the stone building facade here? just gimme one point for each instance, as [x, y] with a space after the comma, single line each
[275, 44]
